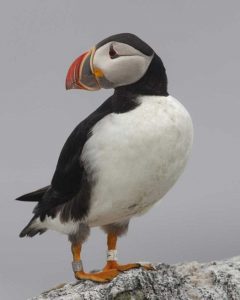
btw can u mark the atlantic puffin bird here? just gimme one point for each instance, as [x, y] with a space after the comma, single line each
[120, 160]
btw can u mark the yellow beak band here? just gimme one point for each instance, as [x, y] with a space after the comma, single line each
[98, 73]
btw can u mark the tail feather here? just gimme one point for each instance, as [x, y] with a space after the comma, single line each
[35, 196]
[31, 229]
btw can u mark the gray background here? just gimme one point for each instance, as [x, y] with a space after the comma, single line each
[199, 44]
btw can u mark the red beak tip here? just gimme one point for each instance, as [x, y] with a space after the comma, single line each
[67, 87]
[73, 75]
[69, 84]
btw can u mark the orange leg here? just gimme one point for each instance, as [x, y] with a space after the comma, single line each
[104, 276]
[112, 263]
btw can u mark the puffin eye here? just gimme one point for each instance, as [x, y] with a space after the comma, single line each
[112, 53]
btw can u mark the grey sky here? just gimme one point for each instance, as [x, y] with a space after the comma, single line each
[199, 45]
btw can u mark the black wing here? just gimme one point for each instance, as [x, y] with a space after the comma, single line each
[70, 177]
[70, 184]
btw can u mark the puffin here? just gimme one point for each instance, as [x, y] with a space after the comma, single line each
[121, 159]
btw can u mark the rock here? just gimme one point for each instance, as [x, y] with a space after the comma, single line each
[218, 280]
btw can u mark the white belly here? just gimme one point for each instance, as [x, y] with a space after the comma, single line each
[136, 157]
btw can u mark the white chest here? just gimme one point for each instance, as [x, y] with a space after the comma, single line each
[136, 157]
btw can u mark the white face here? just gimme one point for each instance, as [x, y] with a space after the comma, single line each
[120, 64]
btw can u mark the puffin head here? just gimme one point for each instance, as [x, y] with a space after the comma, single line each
[119, 61]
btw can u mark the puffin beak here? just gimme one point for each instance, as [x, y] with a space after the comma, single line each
[81, 74]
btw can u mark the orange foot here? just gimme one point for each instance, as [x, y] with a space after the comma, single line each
[113, 265]
[104, 276]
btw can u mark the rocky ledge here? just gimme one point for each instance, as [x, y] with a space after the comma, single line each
[218, 280]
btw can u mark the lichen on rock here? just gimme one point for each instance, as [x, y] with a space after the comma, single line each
[218, 280]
